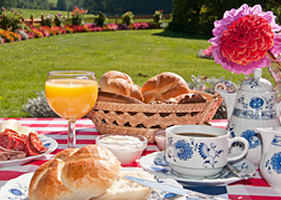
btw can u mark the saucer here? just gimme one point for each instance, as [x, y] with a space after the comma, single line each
[156, 164]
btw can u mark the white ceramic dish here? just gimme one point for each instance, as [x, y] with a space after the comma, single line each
[159, 137]
[156, 164]
[126, 147]
[17, 189]
[47, 142]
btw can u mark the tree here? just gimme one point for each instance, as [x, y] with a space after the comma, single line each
[8, 4]
[95, 6]
[62, 5]
[197, 17]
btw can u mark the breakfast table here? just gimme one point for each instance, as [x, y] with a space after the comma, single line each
[56, 128]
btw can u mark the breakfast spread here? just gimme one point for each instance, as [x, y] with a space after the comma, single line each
[91, 172]
[18, 142]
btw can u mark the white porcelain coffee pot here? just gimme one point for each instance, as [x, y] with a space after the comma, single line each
[270, 164]
[253, 105]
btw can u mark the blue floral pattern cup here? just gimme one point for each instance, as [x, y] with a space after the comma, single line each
[199, 150]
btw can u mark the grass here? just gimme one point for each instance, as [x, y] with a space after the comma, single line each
[140, 53]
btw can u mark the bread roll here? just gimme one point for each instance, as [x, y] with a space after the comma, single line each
[120, 83]
[117, 98]
[75, 174]
[124, 189]
[163, 87]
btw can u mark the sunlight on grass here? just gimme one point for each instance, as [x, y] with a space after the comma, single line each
[138, 53]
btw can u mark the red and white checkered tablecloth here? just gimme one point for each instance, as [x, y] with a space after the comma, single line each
[56, 128]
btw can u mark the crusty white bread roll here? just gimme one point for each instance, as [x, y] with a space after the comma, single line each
[124, 189]
[75, 174]
[163, 87]
[120, 83]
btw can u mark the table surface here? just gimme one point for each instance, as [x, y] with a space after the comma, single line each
[56, 128]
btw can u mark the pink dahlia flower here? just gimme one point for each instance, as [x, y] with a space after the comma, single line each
[243, 37]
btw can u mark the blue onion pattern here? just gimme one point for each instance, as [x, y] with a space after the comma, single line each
[256, 102]
[170, 195]
[203, 150]
[16, 192]
[186, 151]
[276, 162]
[251, 137]
[161, 160]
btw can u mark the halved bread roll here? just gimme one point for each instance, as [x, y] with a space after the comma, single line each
[124, 189]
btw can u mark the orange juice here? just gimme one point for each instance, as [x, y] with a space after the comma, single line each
[71, 98]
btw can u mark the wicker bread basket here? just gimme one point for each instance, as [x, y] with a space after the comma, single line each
[145, 119]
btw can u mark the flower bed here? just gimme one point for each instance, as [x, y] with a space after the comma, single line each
[15, 28]
[31, 32]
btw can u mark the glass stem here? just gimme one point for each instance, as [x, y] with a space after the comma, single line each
[71, 136]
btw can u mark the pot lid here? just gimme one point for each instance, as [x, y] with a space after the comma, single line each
[257, 83]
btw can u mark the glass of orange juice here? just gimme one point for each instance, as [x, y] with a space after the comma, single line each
[71, 95]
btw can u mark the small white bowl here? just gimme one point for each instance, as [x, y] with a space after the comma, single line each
[126, 147]
[159, 137]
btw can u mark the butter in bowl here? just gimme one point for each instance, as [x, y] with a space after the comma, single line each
[126, 147]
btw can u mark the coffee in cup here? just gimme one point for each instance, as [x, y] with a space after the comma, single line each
[200, 150]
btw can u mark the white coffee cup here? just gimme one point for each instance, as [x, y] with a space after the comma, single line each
[200, 150]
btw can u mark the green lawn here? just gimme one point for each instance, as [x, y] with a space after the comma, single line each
[25, 64]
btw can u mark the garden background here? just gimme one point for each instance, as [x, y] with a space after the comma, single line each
[141, 53]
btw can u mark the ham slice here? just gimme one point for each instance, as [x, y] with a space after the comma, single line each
[8, 154]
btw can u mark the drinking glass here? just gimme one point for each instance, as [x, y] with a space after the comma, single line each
[71, 95]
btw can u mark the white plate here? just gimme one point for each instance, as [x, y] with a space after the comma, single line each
[156, 164]
[17, 189]
[47, 142]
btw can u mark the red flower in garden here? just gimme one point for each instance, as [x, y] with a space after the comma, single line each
[244, 38]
